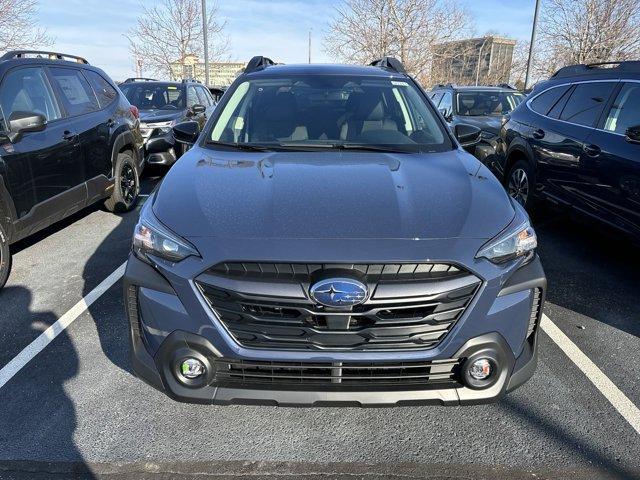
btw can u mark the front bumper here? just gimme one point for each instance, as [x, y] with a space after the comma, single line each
[162, 332]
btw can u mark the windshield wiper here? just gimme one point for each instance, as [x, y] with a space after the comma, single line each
[241, 146]
[371, 148]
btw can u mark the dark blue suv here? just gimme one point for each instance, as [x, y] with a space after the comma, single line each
[576, 142]
[327, 240]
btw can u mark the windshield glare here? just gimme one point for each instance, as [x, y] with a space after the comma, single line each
[154, 96]
[475, 104]
[325, 111]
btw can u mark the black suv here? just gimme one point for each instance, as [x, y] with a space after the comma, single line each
[162, 105]
[480, 106]
[576, 142]
[68, 138]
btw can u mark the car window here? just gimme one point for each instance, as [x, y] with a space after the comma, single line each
[586, 103]
[75, 92]
[27, 90]
[446, 104]
[486, 103]
[330, 111]
[544, 102]
[154, 96]
[436, 97]
[102, 88]
[559, 105]
[192, 96]
[204, 96]
[625, 111]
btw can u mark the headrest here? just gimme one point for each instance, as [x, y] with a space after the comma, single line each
[370, 107]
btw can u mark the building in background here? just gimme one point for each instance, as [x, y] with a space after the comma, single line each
[481, 61]
[221, 74]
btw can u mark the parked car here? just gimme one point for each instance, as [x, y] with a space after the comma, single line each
[217, 93]
[328, 241]
[162, 105]
[576, 142]
[68, 138]
[482, 106]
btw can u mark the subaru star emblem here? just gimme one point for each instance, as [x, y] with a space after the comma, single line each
[339, 292]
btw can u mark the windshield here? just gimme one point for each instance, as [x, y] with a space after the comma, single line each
[329, 111]
[485, 103]
[154, 96]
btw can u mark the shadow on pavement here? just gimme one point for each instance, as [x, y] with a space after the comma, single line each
[591, 269]
[38, 419]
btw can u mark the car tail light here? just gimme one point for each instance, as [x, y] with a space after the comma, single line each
[134, 111]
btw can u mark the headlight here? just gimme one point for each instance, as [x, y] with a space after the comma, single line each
[150, 237]
[162, 127]
[518, 242]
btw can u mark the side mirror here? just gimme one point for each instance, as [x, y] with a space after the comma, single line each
[445, 114]
[23, 122]
[632, 135]
[197, 109]
[186, 132]
[467, 135]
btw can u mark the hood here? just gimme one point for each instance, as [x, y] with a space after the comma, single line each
[340, 195]
[154, 116]
[487, 123]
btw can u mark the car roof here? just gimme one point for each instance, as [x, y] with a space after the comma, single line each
[471, 88]
[325, 69]
[156, 82]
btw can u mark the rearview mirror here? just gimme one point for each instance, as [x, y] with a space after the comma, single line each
[186, 132]
[23, 122]
[632, 135]
[467, 135]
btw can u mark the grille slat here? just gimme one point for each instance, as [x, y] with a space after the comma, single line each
[384, 322]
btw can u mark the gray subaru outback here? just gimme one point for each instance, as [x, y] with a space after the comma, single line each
[326, 240]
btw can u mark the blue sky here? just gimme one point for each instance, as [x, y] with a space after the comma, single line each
[276, 28]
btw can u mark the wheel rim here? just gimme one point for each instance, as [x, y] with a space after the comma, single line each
[519, 186]
[128, 183]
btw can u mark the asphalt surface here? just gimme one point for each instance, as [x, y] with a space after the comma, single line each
[76, 410]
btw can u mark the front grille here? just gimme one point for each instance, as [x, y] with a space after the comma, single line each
[342, 375]
[408, 312]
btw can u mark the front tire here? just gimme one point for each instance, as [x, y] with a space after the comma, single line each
[520, 183]
[127, 185]
[5, 257]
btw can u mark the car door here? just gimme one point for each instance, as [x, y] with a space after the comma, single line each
[86, 121]
[615, 160]
[193, 99]
[567, 116]
[41, 167]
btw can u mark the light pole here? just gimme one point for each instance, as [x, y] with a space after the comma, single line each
[310, 45]
[533, 40]
[205, 35]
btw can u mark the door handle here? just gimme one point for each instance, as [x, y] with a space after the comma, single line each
[69, 136]
[539, 134]
[592, 150]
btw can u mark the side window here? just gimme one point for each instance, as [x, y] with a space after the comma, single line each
[75, 91]
[586, 103]
[625, 111]
[559, 106]
[436, 97]
[103, 89]
[544, 102]
[192, 96]
[205, 99]
[445, 104]
[27, 90]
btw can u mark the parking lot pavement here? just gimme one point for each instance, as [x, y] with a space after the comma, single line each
[77, 408]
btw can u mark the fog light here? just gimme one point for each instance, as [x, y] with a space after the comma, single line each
[192, 368]
[481, 369]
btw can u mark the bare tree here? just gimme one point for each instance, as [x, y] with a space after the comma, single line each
[363, 30]
[17, 30]
[172, 31]
[588, 31]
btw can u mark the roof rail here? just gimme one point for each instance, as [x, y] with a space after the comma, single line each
[258, 63]
[192, 80]
[139, 79]
[506, 85]
[631, 66]
[43, 54]
[390, 63]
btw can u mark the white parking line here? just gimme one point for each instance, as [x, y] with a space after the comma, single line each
[46, 337]
[619, 400]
